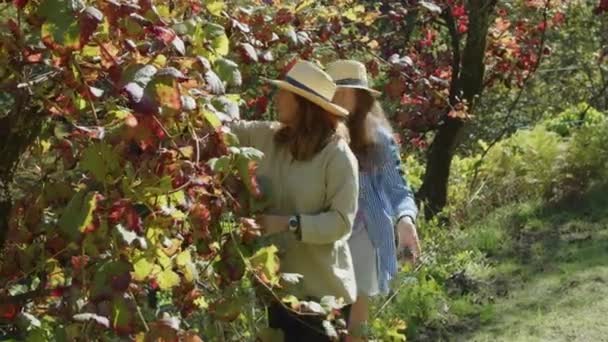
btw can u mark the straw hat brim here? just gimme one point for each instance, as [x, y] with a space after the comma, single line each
[321, 102]
[372, 92]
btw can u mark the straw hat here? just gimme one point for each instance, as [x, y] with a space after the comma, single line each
[307, 80]
[350, 74]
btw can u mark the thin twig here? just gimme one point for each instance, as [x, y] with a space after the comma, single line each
[396, 292]
[139, 312]
[87, 90]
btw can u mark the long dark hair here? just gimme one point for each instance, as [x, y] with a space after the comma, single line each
[313, 130]
[363, 125]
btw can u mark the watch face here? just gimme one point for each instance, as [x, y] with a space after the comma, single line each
[293, 223]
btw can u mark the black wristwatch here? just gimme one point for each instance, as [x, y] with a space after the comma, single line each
[294, 225]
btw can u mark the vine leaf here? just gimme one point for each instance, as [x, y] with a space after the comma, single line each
[78, 215]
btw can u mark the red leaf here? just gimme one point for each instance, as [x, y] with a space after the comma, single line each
[284, 16]
[163, 33]
[20, 3]
[8, 311]
[601, 7]
[79, 262]
[58, 292]
[559, 18]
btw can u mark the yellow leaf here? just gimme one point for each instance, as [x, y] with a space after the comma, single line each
[216, 7]
[167, 279]
[352, 13]
[184, 258]
[373, 44]
[142, 269]
[55, 274]
[201, 303]
[266, 261]
[303, 4]
[221, 45]
[163, 259]
[160, 61]
[212, 118]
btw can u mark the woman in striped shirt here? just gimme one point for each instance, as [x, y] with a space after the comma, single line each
[386, 203]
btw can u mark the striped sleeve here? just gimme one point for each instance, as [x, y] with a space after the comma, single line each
[393, 182]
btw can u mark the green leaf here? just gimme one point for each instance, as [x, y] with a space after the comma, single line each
[229, 72]
[122, 315]
[226, 105]
[60, 26]
[212, 118]
[110, 276]
[266, 261]
[221, 164]
[101, 161]
[78, 214]
[251, 154]
[245, 157]
[216, 7]
[165, 92]
[214, 35]
[167, 279]
[36, 335]
[269, 334]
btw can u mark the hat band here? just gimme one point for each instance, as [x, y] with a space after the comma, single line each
[351, 82]
[302, 86]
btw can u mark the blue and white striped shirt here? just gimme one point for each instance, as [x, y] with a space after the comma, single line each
[384, 196]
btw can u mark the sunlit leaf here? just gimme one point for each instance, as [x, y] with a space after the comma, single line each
[430, 6]
[215, 7]
[142, 269]
[85, 317]
[266, 261]
[214, 83]
[167, 279]
[60, 25]
[229, 71]
[78, 214]
[221, 164]
[353, 13]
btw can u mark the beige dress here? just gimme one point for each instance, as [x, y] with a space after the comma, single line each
[324, 191]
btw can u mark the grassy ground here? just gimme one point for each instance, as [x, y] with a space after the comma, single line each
[550, 277]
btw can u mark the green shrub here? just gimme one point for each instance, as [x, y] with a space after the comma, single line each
[585, 162]
[573, 118]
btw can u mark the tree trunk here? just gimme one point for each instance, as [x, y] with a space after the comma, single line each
[468, 85]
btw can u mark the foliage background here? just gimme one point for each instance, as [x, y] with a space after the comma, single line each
[125, 202]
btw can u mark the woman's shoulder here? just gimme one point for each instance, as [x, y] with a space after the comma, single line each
[340, 149]
[384, 136]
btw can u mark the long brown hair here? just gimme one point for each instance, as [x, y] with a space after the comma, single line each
[363, 125]
[313, 130]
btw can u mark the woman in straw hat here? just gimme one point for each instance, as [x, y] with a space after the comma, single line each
[310, 178]
[385, 199]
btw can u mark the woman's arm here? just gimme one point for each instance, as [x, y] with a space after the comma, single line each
[342, 193]
[251, 133]
[393, 181]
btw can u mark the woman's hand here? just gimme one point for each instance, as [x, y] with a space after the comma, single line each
[407, 237]
[273, 224]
